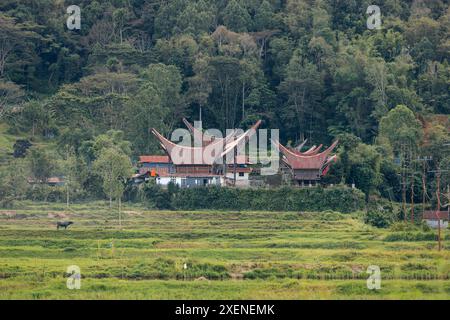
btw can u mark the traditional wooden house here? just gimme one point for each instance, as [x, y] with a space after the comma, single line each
[51, 181]
[209, 163]
[155, 164]
[200, 166]
[307, 167]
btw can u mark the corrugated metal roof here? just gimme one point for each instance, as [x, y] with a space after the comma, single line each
[154, 159]
[433, 215]
[187, 175]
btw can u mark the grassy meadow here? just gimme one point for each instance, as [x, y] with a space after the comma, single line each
[212, 255]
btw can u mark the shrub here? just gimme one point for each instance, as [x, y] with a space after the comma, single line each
[403, 226]
[339, 198]
[411, 236]
[156, 197]
[380, 214]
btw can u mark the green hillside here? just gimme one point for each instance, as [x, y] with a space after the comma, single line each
[318, 70]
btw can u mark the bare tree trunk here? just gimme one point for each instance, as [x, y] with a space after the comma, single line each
[438, 194]
[243, 100]
[234, 165]
[120, 213]
[404, 197]
[424, 186]
[412, 200]
[67, 195]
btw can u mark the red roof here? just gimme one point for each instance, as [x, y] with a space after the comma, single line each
[433, 215]
[182, 155]
[305, 162]
[55, 180]
[154, 159]
[185, 175]
[49, 180]
[239, 169]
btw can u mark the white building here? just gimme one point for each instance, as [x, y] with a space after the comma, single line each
[190, 180]
[433, 218]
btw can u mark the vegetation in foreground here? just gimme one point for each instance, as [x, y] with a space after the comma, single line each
[228, 255]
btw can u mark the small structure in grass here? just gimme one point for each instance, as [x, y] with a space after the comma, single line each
[433, 218]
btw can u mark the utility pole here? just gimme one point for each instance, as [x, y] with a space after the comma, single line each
[234, 165]
[448, 199]
[438, 172]
[403, 173]
[438, 194]
[412, 200]
[404, 196]
[412, 170]
[424, 179]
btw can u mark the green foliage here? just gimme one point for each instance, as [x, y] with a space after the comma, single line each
[340, 199]
[380, 214]
[400, 127]
[10, 94]
[13, 182]
[411, 236]
[115, 169]
[228, 255]
[236, 17]
[42, 165]
[156, 197]
[311, 68]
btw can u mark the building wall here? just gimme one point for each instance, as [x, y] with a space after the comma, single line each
[230, 175]
[241, 181]
[189, 182]
[164, 181]
[160, 168]
[307, 175]
[434, 224]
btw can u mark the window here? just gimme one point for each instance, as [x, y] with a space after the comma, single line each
[241, 174]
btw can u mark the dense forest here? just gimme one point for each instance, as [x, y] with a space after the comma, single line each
[311, 68]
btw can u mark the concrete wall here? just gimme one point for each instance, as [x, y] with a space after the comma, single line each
[187, 182]
[434, 224]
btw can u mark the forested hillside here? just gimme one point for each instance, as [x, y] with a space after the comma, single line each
[310, 68]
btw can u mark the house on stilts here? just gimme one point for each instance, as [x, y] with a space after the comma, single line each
[186, 166]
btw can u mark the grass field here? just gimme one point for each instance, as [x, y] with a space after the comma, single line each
[229, 255]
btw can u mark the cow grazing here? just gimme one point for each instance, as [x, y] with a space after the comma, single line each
[63, 224]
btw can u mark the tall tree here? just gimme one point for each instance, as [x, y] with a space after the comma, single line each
[401, 128]
[236, 17]
[15, 40]
[302, 86]
[115, 169]
[10, 95]
[71, 171]
[42, 165]
[166, 79]
[264, 17]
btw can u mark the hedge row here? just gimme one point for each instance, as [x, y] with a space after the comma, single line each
[339, 198]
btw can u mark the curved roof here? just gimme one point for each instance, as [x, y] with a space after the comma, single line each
[195, 155]
[299, 161]
[311, 151]
[206, 138]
